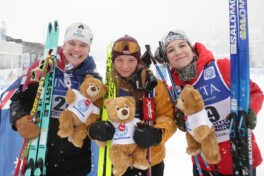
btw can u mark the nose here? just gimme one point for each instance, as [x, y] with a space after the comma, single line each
[76, 48]
[177, 51]
[125, 64]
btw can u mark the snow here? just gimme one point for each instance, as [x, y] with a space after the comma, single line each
[177, 162]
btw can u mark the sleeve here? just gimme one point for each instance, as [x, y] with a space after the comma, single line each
[164, 112]
[256, 94]
[22, 102]
[224, 67]
[256, 97]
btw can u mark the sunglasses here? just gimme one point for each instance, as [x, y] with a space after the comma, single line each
[130, 46]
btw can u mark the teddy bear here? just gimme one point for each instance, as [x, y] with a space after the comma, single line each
[200, 134]
[83, 109]
[124, 152]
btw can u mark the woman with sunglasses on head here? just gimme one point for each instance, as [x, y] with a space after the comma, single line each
[127, 73]
[196, 65]
[73, 64]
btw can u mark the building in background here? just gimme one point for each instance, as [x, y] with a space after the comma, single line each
[16, 56]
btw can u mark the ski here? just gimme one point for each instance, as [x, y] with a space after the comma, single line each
[240, 134]
[94, 158]
[26, 144]
[104, 163]
[37, 149]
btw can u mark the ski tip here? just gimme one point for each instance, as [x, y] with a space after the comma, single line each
[50, 28]
[56, 25]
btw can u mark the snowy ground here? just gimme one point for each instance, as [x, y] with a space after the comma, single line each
[177, 162]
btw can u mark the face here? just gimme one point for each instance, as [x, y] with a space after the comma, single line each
[180, 54]
[75, 52]
[125, 65]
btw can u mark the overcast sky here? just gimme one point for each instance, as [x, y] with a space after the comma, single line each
[146, 20]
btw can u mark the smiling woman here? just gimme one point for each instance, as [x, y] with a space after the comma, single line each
[77, 43]
[73, 64]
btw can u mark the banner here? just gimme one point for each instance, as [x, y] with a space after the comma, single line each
[10, 140]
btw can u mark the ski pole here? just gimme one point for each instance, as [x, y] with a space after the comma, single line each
[198, 165]
[166, 61]
[207, 165]
[149, 117]
[159, 71]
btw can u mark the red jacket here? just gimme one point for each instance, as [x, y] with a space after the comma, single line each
[256, 101]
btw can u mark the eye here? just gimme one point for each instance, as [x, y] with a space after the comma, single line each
[84, 45]
[117, 108]
[183, 45]
[170, 50]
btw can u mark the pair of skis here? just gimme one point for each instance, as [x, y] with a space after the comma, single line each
[104, 163]
[33, 152]
[240, 134]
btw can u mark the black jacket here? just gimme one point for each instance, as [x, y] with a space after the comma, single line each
[62, 157]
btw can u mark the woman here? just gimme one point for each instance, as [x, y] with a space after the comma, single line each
[73, 63]
[127, 74]
[195, 65]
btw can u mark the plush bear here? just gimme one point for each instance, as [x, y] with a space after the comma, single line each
[200, 133]
[124, 152]
[83, 109]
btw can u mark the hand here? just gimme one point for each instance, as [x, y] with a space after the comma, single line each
[146, 136]
[101, 131]
[26, 128]
[252, 118]
[180, 121]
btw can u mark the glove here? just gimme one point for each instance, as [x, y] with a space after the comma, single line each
[150, 82]
[27, 129]
[159, 55]
[252, 119]
[101, 131]
[146, 136]
[145, 58]
[180, 121]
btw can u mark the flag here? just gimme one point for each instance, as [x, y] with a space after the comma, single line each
[10, 140]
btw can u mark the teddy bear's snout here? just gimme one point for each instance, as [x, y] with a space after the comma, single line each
[124, 112]
[93, 89]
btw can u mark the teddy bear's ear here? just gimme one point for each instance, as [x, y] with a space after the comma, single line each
[107, 101]
[195, 94]
[187, 86]
[131, 99]
[105, 87]
[88, 76]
